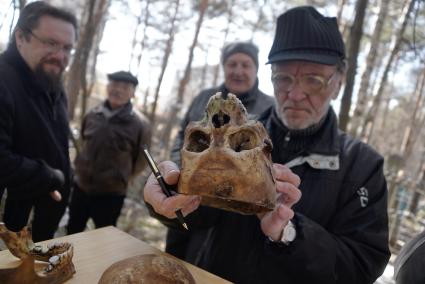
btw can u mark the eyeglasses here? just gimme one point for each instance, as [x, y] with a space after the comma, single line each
[52, 45]
[121, 85]
[310, 84]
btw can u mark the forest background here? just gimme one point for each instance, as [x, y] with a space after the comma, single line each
[173, 46]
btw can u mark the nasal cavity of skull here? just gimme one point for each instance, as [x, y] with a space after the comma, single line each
[242, 140]
[198, 142]
[219, 119]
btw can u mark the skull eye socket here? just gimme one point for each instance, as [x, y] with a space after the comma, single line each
[198, 142]
[243, 140]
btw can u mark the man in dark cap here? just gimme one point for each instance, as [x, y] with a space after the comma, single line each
[112, 138]
[34, 157]
[240, 64]
[330, 221]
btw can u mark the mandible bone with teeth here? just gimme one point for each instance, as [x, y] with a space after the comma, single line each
[54, 263]
[226, 159]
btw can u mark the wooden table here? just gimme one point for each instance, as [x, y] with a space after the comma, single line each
[96, 250]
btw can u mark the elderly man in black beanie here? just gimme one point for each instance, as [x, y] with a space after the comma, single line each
[330, 221]
[112, 137]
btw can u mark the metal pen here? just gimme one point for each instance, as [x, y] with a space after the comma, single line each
[162, 184]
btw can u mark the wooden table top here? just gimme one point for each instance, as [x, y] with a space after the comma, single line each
[96, 250]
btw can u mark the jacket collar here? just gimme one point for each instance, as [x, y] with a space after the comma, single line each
[14, 58]
[245, 98]
[317, 145]
[122, 112]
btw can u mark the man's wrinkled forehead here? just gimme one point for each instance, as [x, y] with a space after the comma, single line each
[121, 83]
[299, 64]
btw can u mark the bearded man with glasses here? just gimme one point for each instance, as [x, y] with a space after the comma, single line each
[34, 157]
[330, 221]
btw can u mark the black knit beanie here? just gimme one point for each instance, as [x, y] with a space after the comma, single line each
[302, 33]
[245, 47]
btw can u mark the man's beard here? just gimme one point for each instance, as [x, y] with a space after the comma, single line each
[50, 82]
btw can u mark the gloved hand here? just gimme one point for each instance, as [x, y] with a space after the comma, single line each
[57, 181]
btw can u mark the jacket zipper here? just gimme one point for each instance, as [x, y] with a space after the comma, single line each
[286, 139]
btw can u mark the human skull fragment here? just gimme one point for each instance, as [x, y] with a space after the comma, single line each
[226, 159]
[149, 269]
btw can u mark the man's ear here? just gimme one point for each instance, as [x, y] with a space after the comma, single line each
[19, 36]
[341, 82]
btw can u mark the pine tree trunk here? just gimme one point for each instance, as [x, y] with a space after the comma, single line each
[413, 129]
[341, 5]
[368, 125]
[166, 56]
[183, 82]
[362, 95]
[225, 35]
[76, 77]
[145, 37]
[134, 41]
[353, 51]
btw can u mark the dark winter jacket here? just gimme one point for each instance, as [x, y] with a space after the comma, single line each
[112, 149]
[341, 219]
[409, 266]
[33, 132]
[255, 102]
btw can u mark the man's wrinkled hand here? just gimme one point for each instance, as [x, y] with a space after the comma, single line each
[272, 223]
[167, 206]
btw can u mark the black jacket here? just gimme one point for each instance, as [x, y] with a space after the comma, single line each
[341, 219]
[409, 266]
[33, 132]
[255, 102]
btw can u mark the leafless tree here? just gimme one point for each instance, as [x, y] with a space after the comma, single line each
[353, 51]
[145, 17]
[203, 5]
[363, 93]
[76, 81]
[229, 18]
[165, 57]
[367, 129]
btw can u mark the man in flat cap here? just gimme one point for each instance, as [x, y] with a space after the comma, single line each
[112, 137]
[330, 222]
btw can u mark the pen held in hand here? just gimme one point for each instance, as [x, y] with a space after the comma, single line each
[162, 184]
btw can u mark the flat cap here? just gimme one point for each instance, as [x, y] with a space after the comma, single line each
[123, 76]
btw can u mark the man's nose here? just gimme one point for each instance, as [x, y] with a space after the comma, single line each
[296, 93]
[62, 55]
[238, 69]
